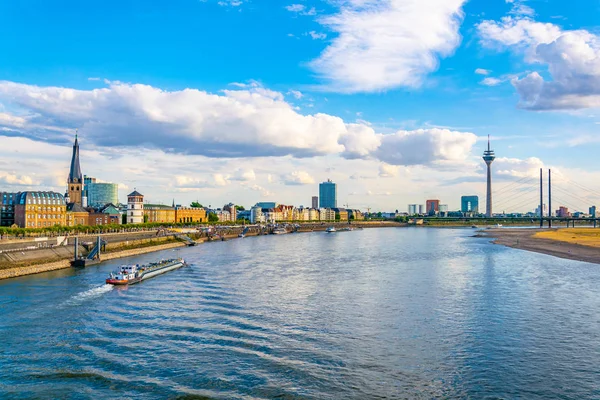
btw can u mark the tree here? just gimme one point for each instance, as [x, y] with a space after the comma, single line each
[240, 208]
[145, 219]
[124, 219]
[195, 204]
[212, 217]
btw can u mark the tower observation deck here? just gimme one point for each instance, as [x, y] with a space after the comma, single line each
[489, 157]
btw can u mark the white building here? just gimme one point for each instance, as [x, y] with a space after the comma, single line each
[256, 215]
[135, 208]
[412, 209]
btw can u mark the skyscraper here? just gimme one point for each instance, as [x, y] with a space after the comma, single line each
[327, 194]
[315, 202]
[75, 181]
[489, 157]
[469, 204]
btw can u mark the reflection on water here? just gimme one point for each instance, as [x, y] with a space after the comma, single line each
[377, 313]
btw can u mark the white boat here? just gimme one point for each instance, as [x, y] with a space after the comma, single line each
[331, 229]
[279, 231]
[498, 225]
[130, 274]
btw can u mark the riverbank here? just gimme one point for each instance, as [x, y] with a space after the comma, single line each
[570, 244]
[53, 266]
[60, 257]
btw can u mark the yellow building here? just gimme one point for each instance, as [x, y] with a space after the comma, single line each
[77, 215]
[40, 209]
[190, 214]
[159, 213]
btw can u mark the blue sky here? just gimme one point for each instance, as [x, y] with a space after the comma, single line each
[390, 98]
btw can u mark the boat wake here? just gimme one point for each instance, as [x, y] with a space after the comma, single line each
[88, 294]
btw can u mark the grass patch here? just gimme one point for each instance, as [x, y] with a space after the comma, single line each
[583, 236]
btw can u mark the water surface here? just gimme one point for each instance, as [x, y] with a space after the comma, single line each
[377, 313]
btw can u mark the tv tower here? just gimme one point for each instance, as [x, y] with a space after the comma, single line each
[489, 157]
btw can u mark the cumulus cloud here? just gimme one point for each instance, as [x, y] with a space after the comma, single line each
[250, 122]
[517, 168]
[384, 44]
[425, 147]
[298, 178]
[317, 35]
[490, 81]
[481, 71]
[572, 57]
[16, 180]
[388, 171]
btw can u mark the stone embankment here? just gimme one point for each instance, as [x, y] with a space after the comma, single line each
[18, 258]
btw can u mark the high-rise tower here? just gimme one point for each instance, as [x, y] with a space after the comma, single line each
[75, 181]
[489, 157]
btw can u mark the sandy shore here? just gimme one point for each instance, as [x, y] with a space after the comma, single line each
[524, 239]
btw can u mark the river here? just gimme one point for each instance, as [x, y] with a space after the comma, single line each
[369, 314]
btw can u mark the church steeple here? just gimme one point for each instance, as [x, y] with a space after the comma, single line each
[75, 181]
[75, 172]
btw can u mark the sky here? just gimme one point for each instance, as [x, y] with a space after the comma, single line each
[260, 100]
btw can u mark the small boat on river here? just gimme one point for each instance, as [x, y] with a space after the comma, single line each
[331, 229]
[279, 231]
[130, 274]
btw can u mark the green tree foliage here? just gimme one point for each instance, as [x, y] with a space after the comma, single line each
[240, 208]
[196, 204]
[212, 217]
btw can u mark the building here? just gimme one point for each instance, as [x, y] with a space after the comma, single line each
[232, 211]
[313, 214]
[592, 211]
[326, 214]
[75, 180]
[540, 213]
[266, 204]
[443, 211]
[563, 212]
[99, 193]
[327, 194]
[159, 213]
[76, 215]
[39, 209]
[135, 208]
[469, 204]
[421, 209]
[355, 215]
[341, 214]
[256, 215]
[190, 214]
[7, 208]
[432, 207]
[114, 216]
[489, 157]
[315, 202]
[412, 209]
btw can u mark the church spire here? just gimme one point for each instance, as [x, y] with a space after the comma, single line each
[75, 172]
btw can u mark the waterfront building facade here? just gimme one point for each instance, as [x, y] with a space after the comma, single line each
[328, 194]
[266, 204]
[190, 214]
[230, 208]
[326, 214]
[159, 213]
[135, 208]
[592, 211]
[421, 209]
[75, 180]
[313, 214]
[256, 215]
[355, 215]
[469, 204]
[77, 215]
[341, 214]
[39, 209]
[563, 212]
[443, 210]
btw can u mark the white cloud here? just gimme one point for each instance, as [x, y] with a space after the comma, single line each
[572, 57]
[297, 94]
[388, 171]
[255, 122]
[425, 147]
[387, 44]
[481, 71]
[13, 179]
[298, 178]
[295, 7]
[518, 168]
[244, 175]
[489, 81]
[316, 35]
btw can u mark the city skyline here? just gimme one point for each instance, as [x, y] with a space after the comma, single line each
[290, 122]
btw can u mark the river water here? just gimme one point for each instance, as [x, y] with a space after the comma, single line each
[370, 314]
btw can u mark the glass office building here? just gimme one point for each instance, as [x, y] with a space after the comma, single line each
[469, 204]
[99, 194]
[327, 194]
